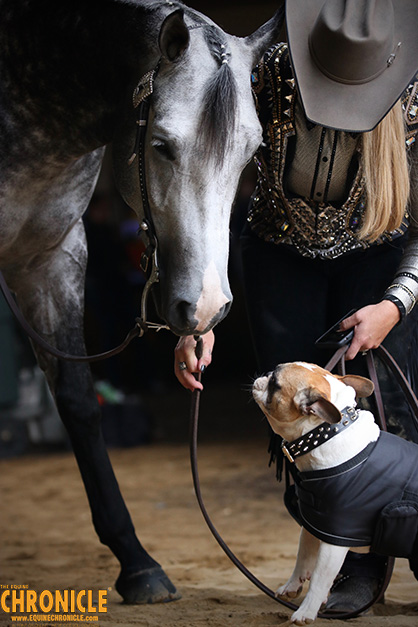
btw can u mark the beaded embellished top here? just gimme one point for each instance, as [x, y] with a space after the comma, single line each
[314, 225]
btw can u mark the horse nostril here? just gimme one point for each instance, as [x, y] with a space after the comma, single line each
[225, 310]
[186, 311]
[183, 317]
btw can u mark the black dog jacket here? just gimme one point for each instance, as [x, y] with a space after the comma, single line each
[370, 500]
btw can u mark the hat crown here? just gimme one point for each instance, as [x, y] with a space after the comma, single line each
[352, 40]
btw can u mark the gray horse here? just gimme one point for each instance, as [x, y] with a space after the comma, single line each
[68, 70]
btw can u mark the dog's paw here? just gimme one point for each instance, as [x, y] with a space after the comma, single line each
[301, 617]
[289, 590]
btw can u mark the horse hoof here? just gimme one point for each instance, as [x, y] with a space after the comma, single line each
[146, 586]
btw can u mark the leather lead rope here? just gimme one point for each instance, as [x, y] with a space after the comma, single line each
[194, 420]
[55, 352]
[338, 358]
[371, 367]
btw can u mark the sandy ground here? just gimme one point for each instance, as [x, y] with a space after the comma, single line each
[48, 540]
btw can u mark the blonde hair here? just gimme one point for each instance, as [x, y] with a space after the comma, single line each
[386, 175]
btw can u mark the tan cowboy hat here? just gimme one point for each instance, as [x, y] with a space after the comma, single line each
[352, 58]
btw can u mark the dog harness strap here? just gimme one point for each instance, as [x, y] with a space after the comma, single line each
[319, 435]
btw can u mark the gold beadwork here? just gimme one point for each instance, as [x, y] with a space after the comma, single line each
[314, 229]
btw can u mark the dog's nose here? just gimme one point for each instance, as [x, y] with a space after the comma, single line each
[260, 384]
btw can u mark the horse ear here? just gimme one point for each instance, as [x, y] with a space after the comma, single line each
[266, 35]
[174, 36]
[363, 387]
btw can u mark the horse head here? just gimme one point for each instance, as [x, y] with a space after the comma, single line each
[202, 131]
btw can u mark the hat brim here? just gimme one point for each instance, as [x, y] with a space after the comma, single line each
[349, 107]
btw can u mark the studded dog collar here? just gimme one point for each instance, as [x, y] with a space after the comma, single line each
[321, 434]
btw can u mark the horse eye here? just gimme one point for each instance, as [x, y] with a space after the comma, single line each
[164, 150]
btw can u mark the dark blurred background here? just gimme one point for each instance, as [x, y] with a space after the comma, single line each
[237, 17]
[141, 399]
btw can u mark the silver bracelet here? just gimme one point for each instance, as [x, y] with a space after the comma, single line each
[407, 290]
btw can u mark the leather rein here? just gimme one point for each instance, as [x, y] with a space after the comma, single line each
[336, 360]
[149, 258]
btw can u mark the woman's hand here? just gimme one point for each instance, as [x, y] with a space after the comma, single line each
[186, 362]
[371, 326]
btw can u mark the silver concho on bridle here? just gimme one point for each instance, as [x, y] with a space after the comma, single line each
[144, 88]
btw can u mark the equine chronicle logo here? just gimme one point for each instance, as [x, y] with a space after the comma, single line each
[53, 606]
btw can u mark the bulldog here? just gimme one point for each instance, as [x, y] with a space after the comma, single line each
[357, 486]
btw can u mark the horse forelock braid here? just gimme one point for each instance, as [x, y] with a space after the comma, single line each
[220, 101]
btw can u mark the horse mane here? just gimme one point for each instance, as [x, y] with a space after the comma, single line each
[217, 120]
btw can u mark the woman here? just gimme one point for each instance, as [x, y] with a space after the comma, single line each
[333, 222]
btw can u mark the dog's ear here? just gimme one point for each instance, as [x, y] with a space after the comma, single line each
[363, 387]
[313, 402]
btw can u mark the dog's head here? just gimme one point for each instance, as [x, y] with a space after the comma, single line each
[297, 396]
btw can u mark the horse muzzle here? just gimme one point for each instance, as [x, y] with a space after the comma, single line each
[183, 321]
[189, 318]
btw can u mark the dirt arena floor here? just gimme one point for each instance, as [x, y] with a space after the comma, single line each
[48, 542]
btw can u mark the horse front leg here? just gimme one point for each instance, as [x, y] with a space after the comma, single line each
[141, 579]
[53, 304]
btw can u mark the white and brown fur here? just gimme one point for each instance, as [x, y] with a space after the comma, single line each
[296, 398]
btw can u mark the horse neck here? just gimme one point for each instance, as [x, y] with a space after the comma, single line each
[69, 62]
